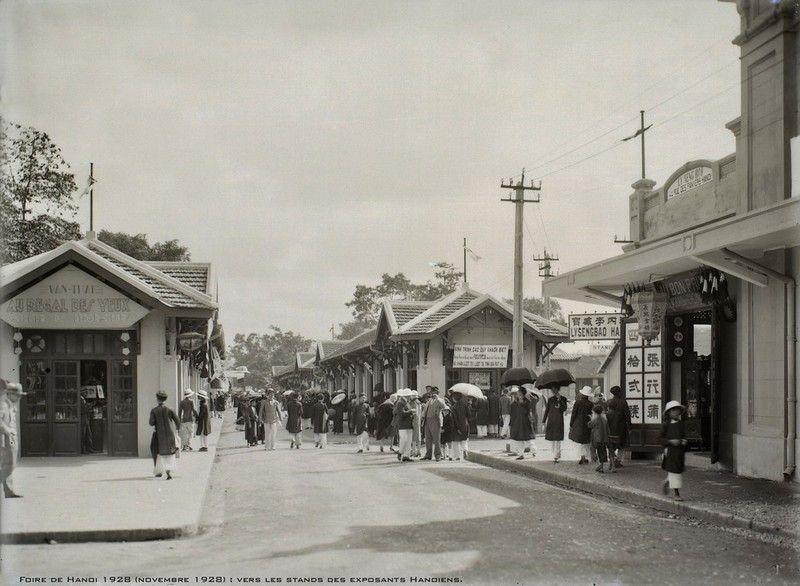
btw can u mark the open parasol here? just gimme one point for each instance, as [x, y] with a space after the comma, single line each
[518, 376]
[557, 377]
[468, 390]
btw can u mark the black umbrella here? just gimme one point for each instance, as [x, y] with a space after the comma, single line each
[558, 377]
[518, 376]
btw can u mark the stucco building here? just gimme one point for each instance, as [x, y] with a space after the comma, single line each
[719, 244]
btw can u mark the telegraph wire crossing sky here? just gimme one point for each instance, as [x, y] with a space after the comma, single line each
[307, 147]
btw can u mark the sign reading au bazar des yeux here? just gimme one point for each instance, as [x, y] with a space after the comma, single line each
[71, 299]
[595, 326]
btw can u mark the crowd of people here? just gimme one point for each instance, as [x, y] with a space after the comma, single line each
[435, 425]
[429, 426]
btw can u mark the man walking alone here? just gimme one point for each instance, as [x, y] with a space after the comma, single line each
[270, 414]
[187, 414]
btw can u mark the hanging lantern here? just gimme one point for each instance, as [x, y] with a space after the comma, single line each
[190, 341]
[649, 308]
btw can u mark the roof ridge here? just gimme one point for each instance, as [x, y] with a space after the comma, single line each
[150, 271]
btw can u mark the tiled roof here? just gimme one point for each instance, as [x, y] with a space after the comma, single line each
[281, 370]
[193, 274]
[545, 326]
[457, 305]
[405, 311]
[168, 294]
[447, 306]
[148, 279]
[326, 347]
[360, 342]
[305, 360]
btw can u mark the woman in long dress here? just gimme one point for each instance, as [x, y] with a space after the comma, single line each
[165, 444]
[553, 421]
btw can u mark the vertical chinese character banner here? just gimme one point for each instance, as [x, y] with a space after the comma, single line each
[643, 376]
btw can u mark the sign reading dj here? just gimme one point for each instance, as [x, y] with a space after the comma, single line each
[71, 299]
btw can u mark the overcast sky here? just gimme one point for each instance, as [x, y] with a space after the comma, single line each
[307, 147]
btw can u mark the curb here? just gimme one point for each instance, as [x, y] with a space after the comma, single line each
[631, 495]
[123, 535]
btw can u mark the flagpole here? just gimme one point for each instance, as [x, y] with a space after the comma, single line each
[465, 260]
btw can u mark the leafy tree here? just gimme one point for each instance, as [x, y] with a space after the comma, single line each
[138, 247]
[260, 352]
[537, 306]
[366, 306]
[36, 189]
[349, 330]
[447, 281]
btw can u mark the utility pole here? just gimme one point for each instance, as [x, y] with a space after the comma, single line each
[640, 132]
[465, 260]
[91, 197]
[518, 200]
[544, 272]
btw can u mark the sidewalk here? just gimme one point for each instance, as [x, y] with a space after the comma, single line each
[101, 498]
[710, 495]
[98, 498]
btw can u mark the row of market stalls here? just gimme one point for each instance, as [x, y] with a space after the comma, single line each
[92, 334]
[462, 337]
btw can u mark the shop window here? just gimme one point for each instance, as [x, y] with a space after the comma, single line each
[122, 389]
[66, 391]
[453, 377]
[702, 339]
[94, 343]
[35, 385]
[65, 343]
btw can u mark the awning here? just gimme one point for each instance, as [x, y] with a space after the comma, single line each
[725, 245]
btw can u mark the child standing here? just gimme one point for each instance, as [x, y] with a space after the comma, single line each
[446, 436]
[673, 438]
[598, 425]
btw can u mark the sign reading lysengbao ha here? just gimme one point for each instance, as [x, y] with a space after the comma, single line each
[480, 356]
[595, 326]
[71, 300]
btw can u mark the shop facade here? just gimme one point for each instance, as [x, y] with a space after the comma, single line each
[92, 335]
[462, 337]
[715, 256]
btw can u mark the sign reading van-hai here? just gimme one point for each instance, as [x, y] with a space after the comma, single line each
[71, 299]
[595, 326]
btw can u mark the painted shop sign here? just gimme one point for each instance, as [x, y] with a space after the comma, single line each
[684, 291]
[71, 299]
[480, 356]
[595, 326]
[692, 179]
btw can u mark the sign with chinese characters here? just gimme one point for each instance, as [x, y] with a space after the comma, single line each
[652, 412]
[636, 412]
[643, 376]
[480, 356]
[595, 326]
[649, 308]
[71, 299]
[632, 337]
[692, 179]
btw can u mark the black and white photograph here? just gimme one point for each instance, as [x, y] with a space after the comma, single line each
[478, 292]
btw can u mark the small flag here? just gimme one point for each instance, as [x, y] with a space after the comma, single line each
[89, 182]
[638, 132]
[471, 254]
